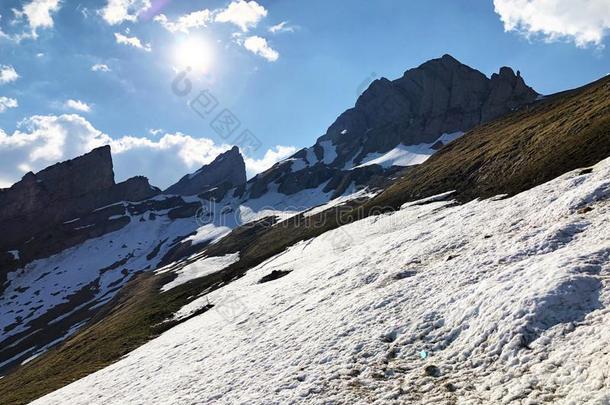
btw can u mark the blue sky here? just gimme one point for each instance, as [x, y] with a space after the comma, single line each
[77, 74]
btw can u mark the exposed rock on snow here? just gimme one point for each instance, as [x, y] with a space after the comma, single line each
[274, 275]
[521, 314]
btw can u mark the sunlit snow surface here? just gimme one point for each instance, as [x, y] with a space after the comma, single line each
[44, 284]
[509, 299]
[101, 266]
[407, 155]
[199, 269]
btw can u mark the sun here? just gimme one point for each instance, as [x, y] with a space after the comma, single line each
[194, 53]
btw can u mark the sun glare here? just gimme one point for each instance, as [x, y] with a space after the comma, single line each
[194, 53]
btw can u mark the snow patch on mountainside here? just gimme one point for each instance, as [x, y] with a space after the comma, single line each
[495, 301]
[330, 152]
[311, 157]
[407, 155]
[350, 194]
[199, 269]
[275, 203]
[209, 233]
[44, 284]
[297, 164]
[399, 156]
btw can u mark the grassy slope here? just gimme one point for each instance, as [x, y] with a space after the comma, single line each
[526, 148]
[512, 154]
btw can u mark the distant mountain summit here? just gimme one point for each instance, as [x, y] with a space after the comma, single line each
[62, 192]
[440, 96]
[399, 123]
[226, 171]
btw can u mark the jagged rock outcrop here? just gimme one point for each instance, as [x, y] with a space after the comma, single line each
[63, 192]
[226, 171]
[77, 180]
[442, 96]
[507, 92]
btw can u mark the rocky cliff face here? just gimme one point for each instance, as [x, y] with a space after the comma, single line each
[70, 180]
[442, 96]
[226, 171]
[41, 202]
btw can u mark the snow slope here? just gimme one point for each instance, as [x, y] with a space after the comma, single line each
[89, 275]
[199, 269]
[502, 300]
[47, 283]
[407, 155]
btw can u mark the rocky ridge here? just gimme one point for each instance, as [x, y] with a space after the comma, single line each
[226, 171]
[34, 209]
[442, 96]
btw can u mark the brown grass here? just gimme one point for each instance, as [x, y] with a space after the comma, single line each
[513, 154]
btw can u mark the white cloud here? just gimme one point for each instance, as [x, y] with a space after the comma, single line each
[259, 46]
[41, 141]
[39, 14]
[271, 157]
[118, 11]
[583, 22]
[131, 41]
[6, 103]
[281, 27]
[100, 67]
[8, 74]
[2, 33]
[77, 105]
[244, 14]
[185, 23]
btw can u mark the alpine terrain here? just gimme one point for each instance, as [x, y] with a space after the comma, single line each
[447, 240]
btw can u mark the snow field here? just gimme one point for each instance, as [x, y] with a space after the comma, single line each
[496, 301]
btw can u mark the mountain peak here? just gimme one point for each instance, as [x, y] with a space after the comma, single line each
[445, 62]
[228, 170]
[450, 60]
[63, 191]
[440, 96]
[506, 71]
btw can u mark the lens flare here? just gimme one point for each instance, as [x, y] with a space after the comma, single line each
[195, 54]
